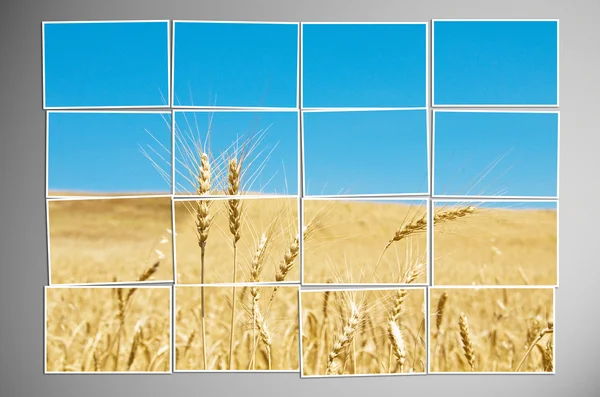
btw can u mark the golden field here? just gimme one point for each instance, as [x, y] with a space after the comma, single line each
[494, 246]
[349, 237]
[106, 240]
[101, 329]
[116, 239]
[277, 218]
[98, 240]
[265, 331]
[491, 330]
[363, 332]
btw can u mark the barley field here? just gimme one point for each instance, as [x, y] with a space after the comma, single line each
[106, 240]
[496, 246]
[263, 335]
[102, 329]
[352, 332]
[491, 330]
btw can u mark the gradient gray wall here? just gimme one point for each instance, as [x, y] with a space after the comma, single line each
[23, 259]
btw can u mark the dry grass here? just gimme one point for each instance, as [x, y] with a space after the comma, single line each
[94, 241]
[497, 247]
[363, 332]
[266, 334]
[491, 330]
[105, 329]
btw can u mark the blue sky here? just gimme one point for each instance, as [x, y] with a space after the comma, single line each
[364, 65]
[495, 63]
[511, 205]
[440, 205]
[467, 144]
[279, 146]
[106, 64]
[236, 64]
[368, 152]
[99, 152]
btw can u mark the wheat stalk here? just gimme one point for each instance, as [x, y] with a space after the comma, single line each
[548, 330]
[203, 223]
[235, 215]
[255, 270]
[123, 304]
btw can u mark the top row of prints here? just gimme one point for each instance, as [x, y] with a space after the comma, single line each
[283, 66]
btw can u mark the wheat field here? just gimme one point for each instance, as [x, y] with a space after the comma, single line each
[107, 240]
[496, 246]
[103, 329]
[348, 241]
[267, 250]
[491, 330]
[265, 328]
[360, 332]
[276, 218]
[222, 237]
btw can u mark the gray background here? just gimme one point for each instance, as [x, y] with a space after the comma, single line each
[23, 258]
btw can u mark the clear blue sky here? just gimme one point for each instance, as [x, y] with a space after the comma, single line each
[364, 65]
[125, 64]
[468, 143]
[512, 205]
[495, 63]
[369, 152]
[106, 64]
[279, 145]
[99, 152]
[236, 64]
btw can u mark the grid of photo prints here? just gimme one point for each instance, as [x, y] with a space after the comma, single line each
[328, 199]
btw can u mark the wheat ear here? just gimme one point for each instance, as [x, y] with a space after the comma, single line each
[439, 317]
[150, 270]
[264, 333]
[137, 337]
[465, 336]
[344, 338]
[289, 258]
[440, 311]
[419, 225]
[397, 342]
